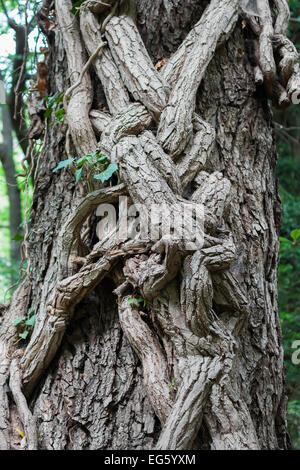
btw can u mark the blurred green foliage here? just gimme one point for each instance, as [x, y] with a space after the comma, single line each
[288, 171]
[9, 272]
[289, 298]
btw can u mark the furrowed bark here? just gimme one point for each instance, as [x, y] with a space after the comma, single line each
[15, 383]
[8, 341]
[116, 94]
[175, 128]
[80, 102]
[148, 349]
[137, 71]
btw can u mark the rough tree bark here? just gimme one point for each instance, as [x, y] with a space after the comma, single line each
[202, 368]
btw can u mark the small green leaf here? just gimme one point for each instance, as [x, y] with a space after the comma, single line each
[18, 237]
[107, 174]
[137, 301]
[172, 385]
[102, 158]
[24, 334]
[48, 112]
[60, 114]
[82, 160]
[63, 164]
[78, 175]
[59, 98]
[18, 321]
[295, 234]
[30, 321]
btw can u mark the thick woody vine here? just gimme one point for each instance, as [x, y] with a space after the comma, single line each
[153, 168]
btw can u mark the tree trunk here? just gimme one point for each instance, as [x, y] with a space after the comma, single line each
[200, 365]
[13, 192]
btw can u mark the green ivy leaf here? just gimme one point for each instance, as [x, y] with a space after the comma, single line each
[30, 321]
[94, 154]
[295, 234]
[60, 114]
[63, 164]
[18, 321]
[78, 175]
[82, 160]
[139, 300]
[59, 98]
[102, 158]
[24, 334]
[107, 174]
[18, 237]
[172, 385]
[48, 112]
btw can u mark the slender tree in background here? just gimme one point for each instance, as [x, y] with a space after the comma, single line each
[13, 192]
[177, 98]
[14, 121]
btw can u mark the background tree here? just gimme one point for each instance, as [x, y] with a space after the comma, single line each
[16, 74]
[6, 157]
[200, 363]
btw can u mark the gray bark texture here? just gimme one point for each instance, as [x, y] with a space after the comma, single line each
[171, 95]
